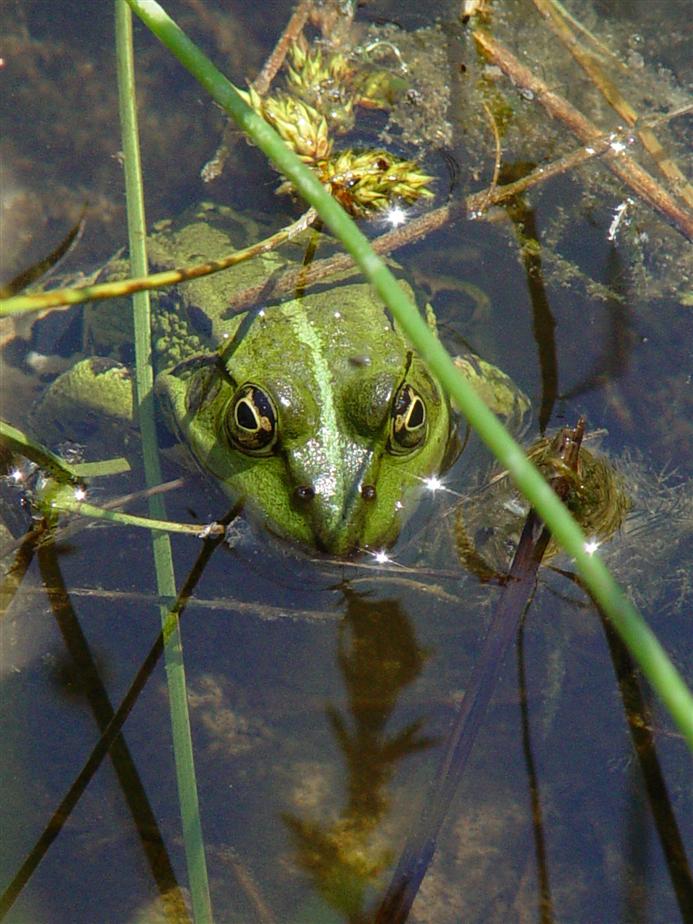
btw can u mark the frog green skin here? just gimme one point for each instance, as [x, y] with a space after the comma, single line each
[313, 412]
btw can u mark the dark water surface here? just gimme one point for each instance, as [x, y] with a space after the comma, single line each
[321, 692]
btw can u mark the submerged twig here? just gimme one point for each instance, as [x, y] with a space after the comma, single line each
[515, 597]
[222, 604]
[247, 884]
[617, 160]
[668, 167]
[545, 910]
[603, 49]
[497, 159]
[293, 29]
[49, 262]
[144, 494]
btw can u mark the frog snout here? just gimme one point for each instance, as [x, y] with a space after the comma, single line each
[335, 519]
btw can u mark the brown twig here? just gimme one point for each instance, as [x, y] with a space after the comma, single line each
[668, 167]
[497, 159]
[474, 206]
[617, 160]
[293, 29]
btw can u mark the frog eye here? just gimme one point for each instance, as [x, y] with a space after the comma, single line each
[408, 427]
[251, 421]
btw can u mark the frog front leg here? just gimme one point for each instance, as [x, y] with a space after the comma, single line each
[93, 396]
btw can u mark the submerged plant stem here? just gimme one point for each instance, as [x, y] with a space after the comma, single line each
[557, 19]
[618, 161]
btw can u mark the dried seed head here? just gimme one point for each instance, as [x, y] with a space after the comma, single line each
[368, 181]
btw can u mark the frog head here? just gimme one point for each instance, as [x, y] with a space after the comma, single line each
[317, 416]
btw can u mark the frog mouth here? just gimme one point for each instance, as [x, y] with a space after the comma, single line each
[335, 528]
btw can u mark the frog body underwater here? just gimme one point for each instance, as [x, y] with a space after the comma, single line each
[313, 412]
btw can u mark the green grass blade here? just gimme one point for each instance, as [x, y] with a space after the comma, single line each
[144, 382]
[17, 442]
[630, 625]
[56, 497]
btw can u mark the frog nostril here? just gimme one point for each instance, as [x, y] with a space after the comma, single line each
[304, 492]
[368, 492]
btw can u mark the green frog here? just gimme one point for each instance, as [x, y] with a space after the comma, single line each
[313, 411]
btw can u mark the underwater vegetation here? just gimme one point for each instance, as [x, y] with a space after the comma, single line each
[536, 198]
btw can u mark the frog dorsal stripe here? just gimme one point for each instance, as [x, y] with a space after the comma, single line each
[329, 435]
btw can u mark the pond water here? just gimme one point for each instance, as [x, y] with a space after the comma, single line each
[321, 692]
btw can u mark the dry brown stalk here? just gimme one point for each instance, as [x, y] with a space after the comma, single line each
[618, 161]
[497, 159]
[293, 29]
[668, 167]
[474, 205]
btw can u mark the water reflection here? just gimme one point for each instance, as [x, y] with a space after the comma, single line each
[619, 337]
[378, 657]
[544, 324]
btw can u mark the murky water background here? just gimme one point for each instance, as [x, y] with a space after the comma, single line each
[300, 673]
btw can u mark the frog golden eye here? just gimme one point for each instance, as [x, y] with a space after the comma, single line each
[251, 420]
[408, 427]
